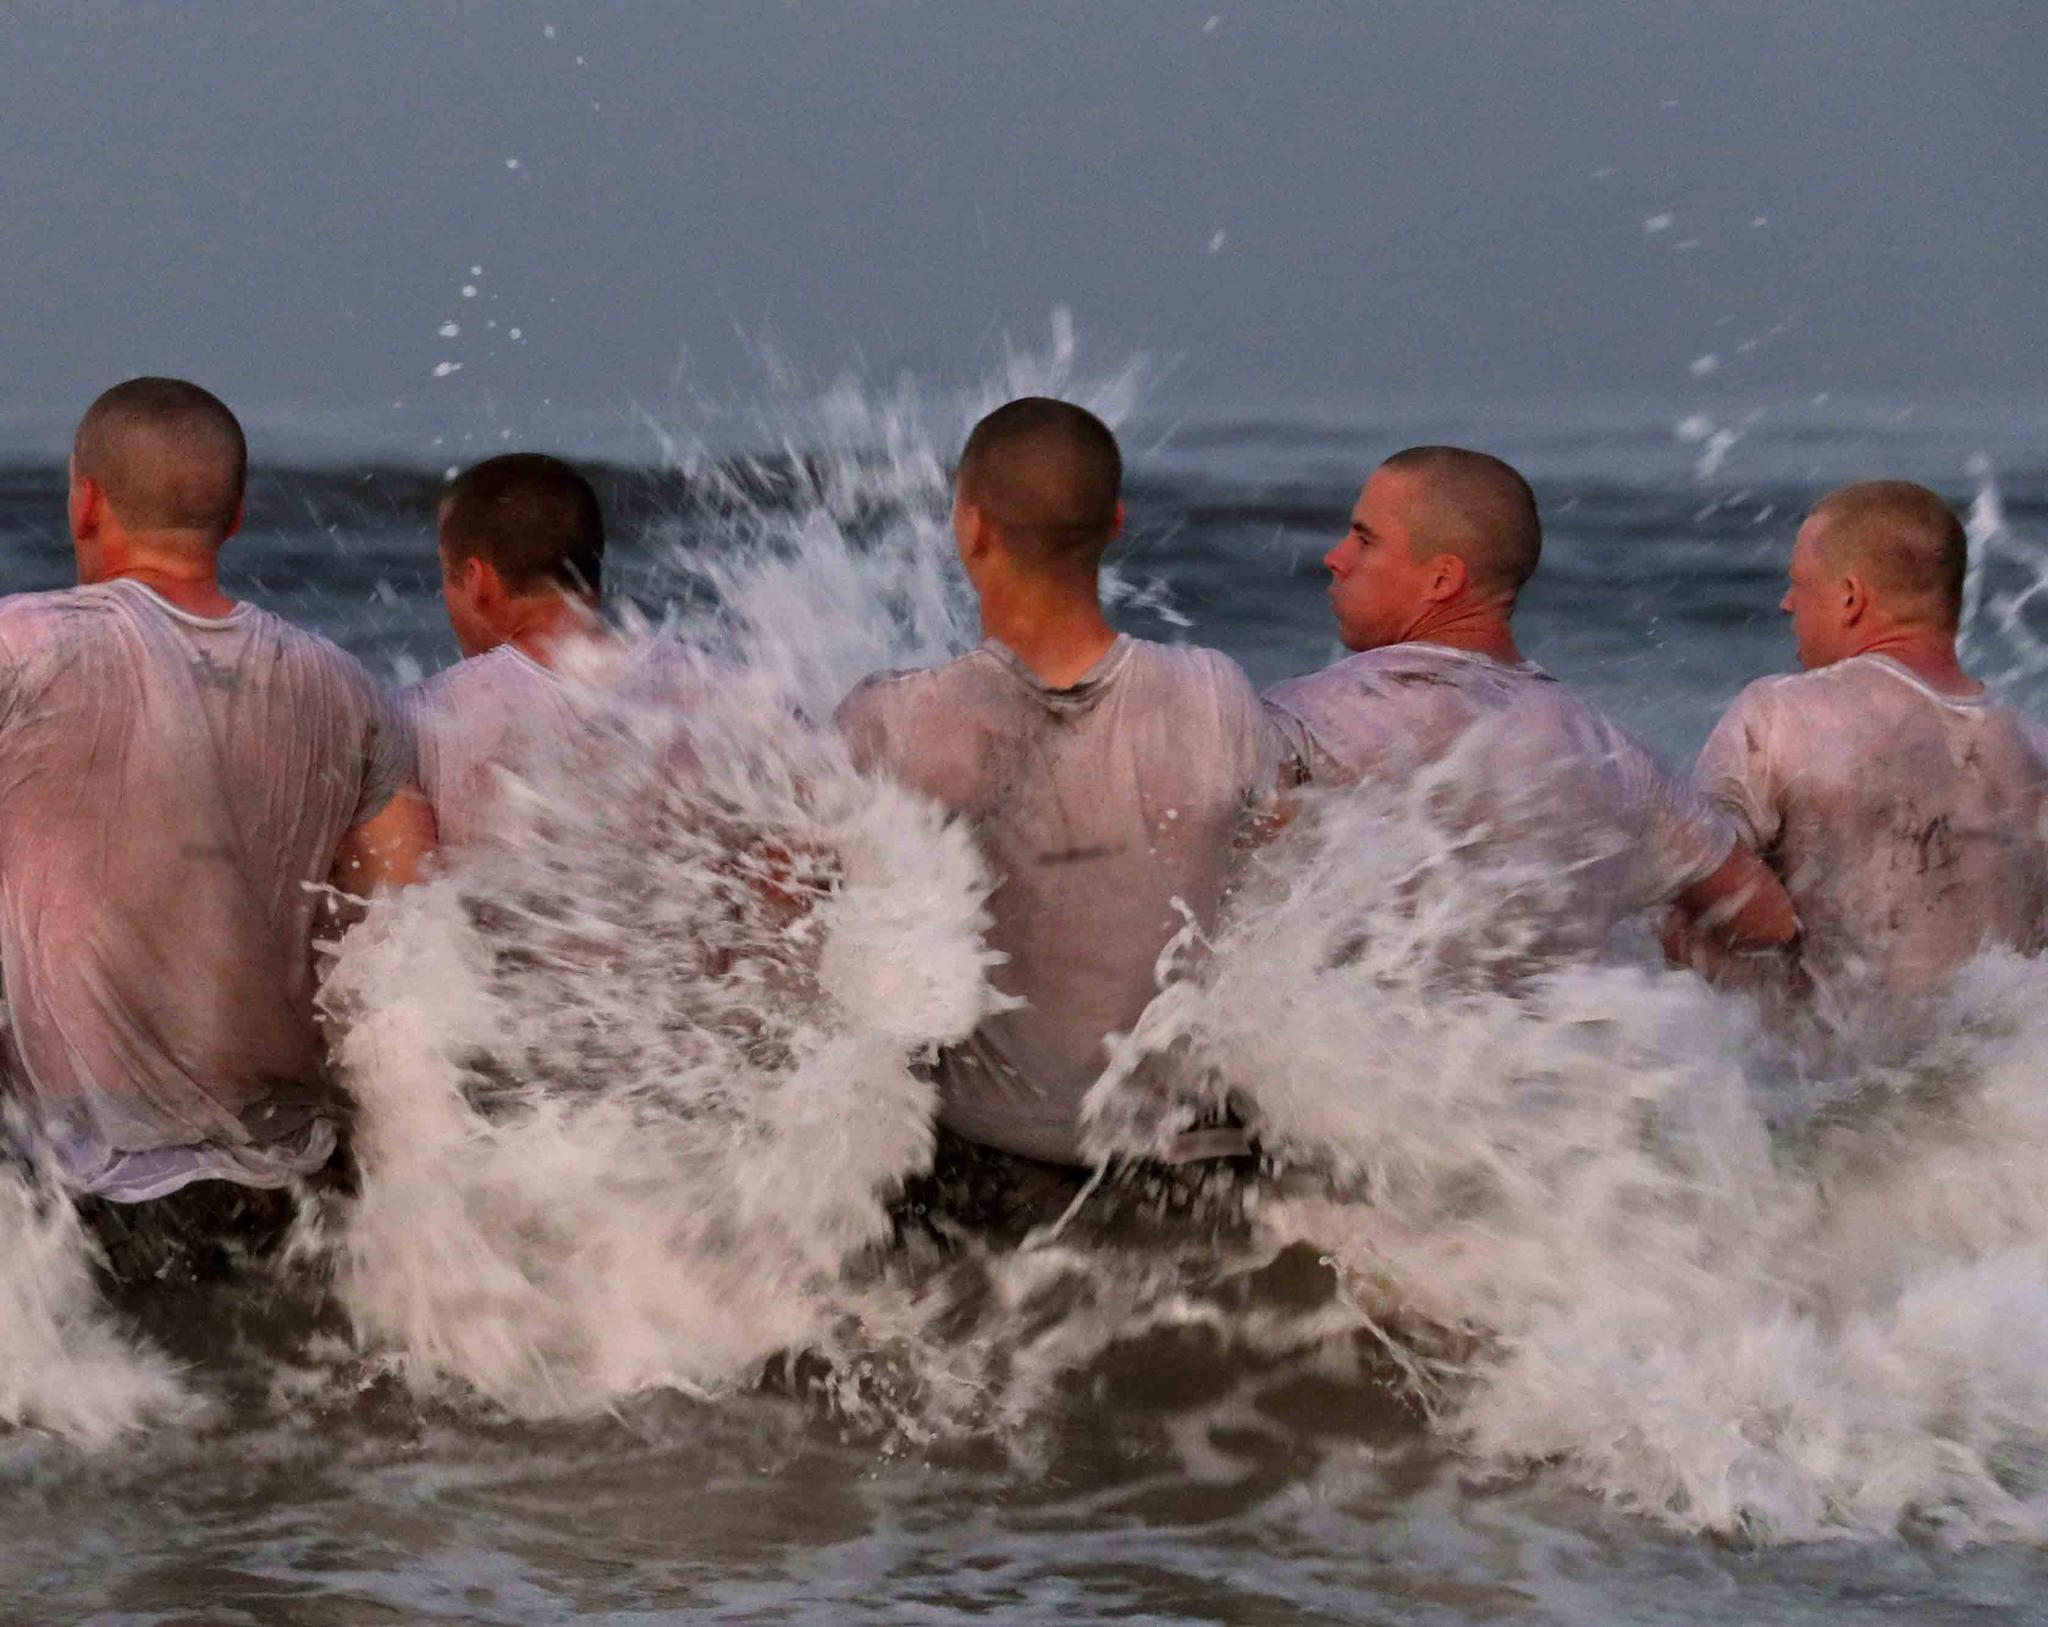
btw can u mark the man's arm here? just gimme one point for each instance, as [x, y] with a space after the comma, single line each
[387, 849]
[1740, 906]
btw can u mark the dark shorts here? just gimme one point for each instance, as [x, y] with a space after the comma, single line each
[1001, 1197]
[205, 1233]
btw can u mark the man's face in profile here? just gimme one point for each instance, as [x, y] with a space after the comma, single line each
[1815, 600]
[1377, 587]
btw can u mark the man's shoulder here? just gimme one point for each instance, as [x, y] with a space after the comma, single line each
[316, 649]
[1387, 672]
[898, 687]
[1191, 662]
[25, 617]
[454, 687]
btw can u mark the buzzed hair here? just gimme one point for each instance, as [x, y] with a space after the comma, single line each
[168, 455]
[1477, 507]
[1902, 539]
[1047, 474]
[531, 517]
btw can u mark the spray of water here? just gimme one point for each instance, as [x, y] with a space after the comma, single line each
[64, 1366]
[1616, 1224]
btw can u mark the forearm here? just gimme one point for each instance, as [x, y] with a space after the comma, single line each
[388, 849]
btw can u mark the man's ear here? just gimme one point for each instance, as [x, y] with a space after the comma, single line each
[235, 524]
[977, 536]
[1448, 575]
[88, 504]
[481, 582]
[1855, 600]
[1116, 527]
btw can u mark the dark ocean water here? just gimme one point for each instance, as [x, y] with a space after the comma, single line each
[1169, 1480]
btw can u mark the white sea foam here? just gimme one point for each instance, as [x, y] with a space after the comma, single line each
[64, 1364]
[634, 1087]
[1710, 1280]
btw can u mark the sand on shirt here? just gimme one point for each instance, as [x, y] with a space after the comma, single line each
[172, 790]
[1906, 825]
[1557, 786]
[1104, 809]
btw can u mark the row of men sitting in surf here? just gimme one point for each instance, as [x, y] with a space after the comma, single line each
[179, 772]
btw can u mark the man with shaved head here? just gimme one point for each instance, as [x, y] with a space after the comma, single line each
[1107, 777]
[1901, 804]
[1424, 586]
[179, 774]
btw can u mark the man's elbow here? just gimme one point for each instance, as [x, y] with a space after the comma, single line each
[1743, 904]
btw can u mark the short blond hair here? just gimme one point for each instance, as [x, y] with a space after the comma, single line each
[1902, 539]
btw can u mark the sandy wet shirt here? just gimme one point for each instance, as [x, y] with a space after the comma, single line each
[1907, 824]
[1558, 789]
[1105, 809]
[171, 789]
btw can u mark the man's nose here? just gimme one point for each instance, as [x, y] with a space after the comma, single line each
[1330, 560]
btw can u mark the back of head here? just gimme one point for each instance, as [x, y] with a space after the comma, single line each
[532, 518]
[1047, 475]
[1476, 507]
[1903, 541]
[168, 456]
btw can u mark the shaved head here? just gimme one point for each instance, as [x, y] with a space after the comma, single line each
[1902, 540]
[168, 456]
[1046, 474]
[1475, 507]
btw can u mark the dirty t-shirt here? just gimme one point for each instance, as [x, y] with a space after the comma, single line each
[1905, 823]
[503, 712]
[172, 788]
[1532, 775]
[1104, 809]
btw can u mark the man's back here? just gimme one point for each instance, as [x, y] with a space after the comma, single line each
[1905, 823]
[1104, 808]
[170, 785]
[503, 711]
[480, 716]
[1535, 781]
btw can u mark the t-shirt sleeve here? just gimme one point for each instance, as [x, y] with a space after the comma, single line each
[1294, 743]
[1251, 739]
[388, 753]
[1685, 839]
[1737, 769]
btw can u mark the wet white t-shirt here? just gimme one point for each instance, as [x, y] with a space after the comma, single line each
[1544, 778]
[1906, 824]
[1104, 809]
[504, 712]
[172, 790]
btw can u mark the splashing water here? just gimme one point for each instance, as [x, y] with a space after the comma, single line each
[64, 1366]
[1618, 1226]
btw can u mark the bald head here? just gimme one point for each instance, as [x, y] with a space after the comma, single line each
[1046, 474]
[1474, 507]
[168, 456]
[1902, 541]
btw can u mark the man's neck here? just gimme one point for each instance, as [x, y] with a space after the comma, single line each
[1482, 629]
[189, 586]
[548, 627]
[1929, 654]
[1057, 630]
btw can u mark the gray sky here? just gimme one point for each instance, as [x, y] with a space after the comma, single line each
[1547, 200]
